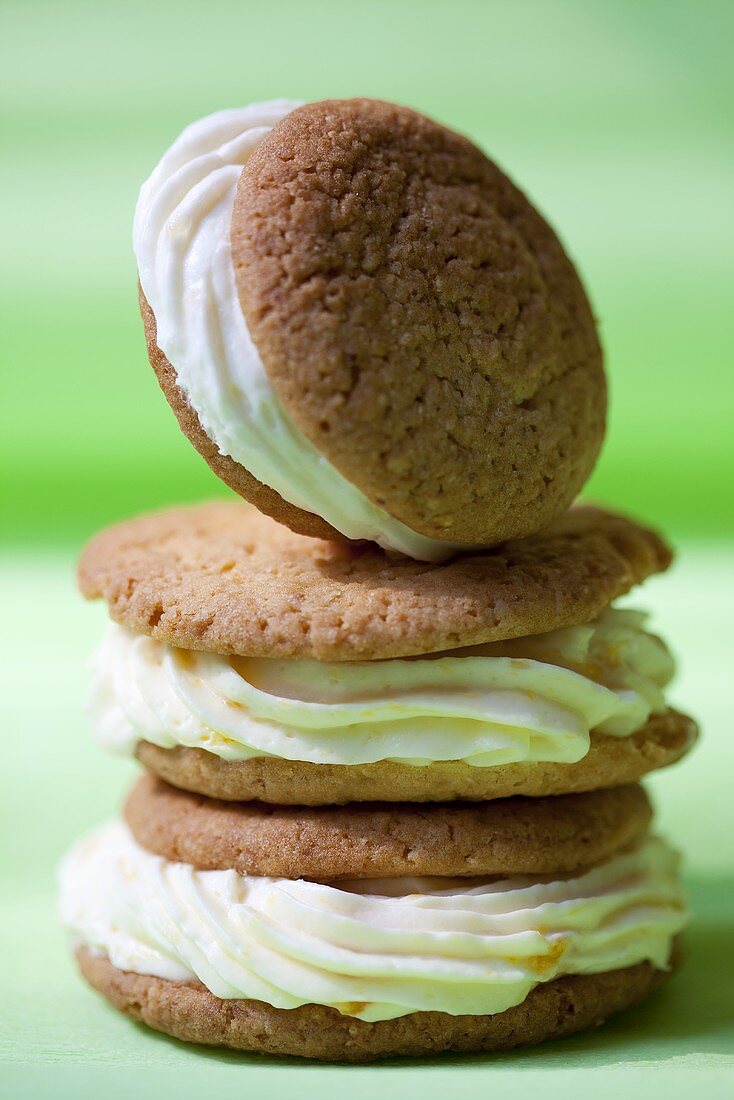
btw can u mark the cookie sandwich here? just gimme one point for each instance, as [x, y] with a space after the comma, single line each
[202, 920]
[385, 812]
[365, 328]
[247, 662]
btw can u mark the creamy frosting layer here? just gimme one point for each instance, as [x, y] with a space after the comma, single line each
[181, 239]
[371, 949]
[535, 698]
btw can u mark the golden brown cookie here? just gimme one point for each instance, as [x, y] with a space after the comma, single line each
[512, 836]
[190, 1012]
[224, 578]
[418, 320]
[610, 762]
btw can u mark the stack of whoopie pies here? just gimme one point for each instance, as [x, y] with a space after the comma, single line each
[392, 723]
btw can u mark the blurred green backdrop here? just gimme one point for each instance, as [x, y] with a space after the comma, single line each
[614, 116]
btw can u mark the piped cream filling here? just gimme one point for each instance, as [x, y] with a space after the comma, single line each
[536, 698]
[371, 949]
[181, 239]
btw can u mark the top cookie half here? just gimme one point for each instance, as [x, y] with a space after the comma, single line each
[225, 579]
[366, 328]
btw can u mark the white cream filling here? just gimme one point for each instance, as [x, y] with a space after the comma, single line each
[534, 698]
[181, 239]
[374, 950]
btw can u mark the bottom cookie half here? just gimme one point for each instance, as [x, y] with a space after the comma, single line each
[368, 968]
[610, 762]
[190, 1012]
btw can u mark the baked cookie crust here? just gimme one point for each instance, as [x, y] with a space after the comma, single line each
[371, 840]
[419, 320]
[224, 578]
[190, 1012]
[610, 762]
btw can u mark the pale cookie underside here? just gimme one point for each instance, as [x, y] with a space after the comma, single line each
[190, 1012]
[224, 578]
[418, 319]
[610, 762]
[517, 836]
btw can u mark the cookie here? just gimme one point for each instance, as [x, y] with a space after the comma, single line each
[373, 330]
[418, 319]
[514, 836]
[611, 761]
[190, 1012]
[222, 577]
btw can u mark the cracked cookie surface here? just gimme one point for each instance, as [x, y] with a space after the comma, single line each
[223, 577]
[419, 320]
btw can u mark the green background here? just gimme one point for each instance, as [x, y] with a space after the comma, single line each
[616, 118]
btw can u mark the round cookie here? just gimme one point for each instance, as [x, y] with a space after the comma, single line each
[190, 1012]
[610, 761]
[515, 837]
[224, 578]
[418, 320]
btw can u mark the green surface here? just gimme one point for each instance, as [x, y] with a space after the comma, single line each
[616, 118]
